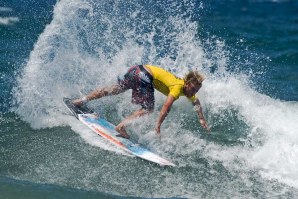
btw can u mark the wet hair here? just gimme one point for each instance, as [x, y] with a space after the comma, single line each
[194, 77]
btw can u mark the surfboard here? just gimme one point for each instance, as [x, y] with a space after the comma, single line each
[105, 129]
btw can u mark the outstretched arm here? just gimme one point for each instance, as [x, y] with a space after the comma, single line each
[164, 112]
[198, 109]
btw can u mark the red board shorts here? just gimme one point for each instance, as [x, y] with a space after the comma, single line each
[141, 82]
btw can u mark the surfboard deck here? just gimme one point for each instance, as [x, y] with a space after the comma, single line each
[107, 130]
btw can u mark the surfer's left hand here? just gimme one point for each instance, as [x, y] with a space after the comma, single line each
[204, 124]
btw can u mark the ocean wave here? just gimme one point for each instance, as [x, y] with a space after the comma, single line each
[8, 20]
[83, 48]
[5, 9]
[273, 1]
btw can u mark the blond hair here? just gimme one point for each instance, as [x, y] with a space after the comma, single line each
[194, 77]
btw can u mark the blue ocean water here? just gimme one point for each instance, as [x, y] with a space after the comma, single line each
[248, 51]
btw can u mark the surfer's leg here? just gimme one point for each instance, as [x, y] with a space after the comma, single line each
[107, 91]
[121, 127]
[99, 93]
[122, 131]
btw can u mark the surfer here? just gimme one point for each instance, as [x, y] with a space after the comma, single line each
[142, 79]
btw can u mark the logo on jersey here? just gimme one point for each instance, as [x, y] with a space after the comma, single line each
[144, 77]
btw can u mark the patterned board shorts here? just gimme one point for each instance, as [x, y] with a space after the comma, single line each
[140, 81]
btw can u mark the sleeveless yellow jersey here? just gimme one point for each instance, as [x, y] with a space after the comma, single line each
[167, 83]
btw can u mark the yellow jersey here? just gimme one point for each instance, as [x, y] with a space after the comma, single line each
[167, 83]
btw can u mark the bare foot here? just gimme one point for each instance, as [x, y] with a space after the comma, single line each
[121, 129]
[77, 102]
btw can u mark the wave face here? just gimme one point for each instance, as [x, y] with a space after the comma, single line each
[252, 150]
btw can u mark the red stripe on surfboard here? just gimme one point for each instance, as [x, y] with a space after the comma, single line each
[108, 137]
[156, 159]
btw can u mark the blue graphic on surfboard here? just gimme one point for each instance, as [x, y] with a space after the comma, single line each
[107, 130]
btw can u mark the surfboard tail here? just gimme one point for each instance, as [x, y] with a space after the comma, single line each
[76, 110]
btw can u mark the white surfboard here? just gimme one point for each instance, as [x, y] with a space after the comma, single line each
[107, 130]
